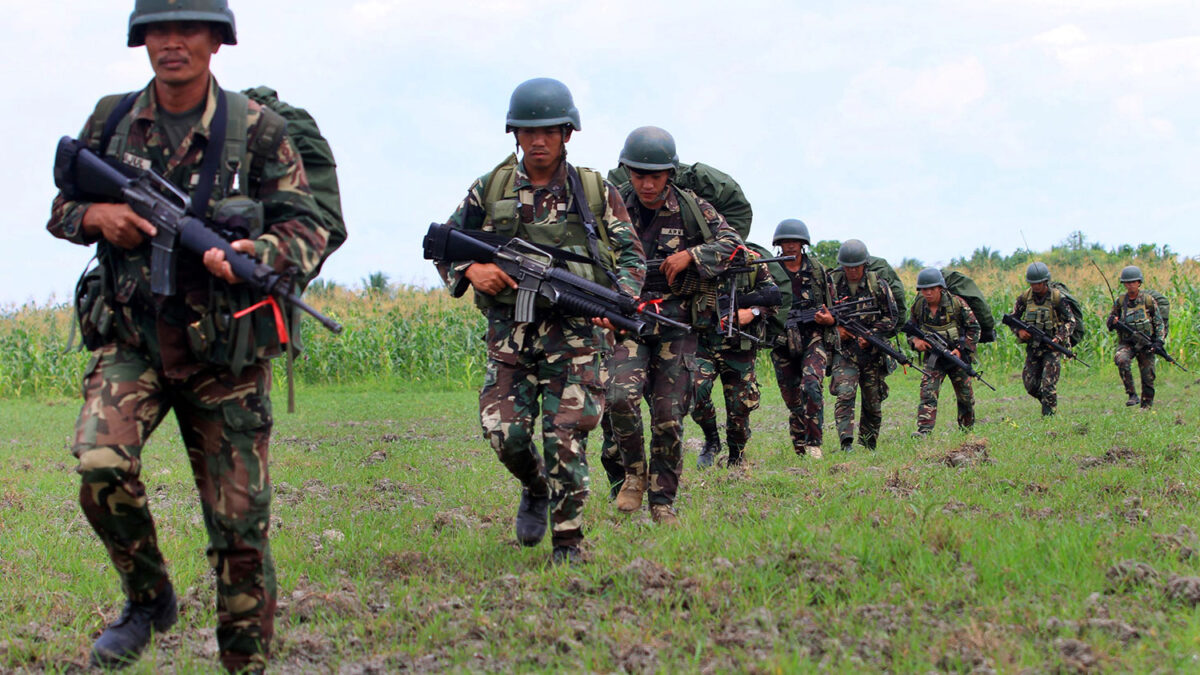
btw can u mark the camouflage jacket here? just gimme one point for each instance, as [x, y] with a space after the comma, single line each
[667, 234]
[954, 321]
[551, 205]
[883, 319]
[1141, 313]
[291, 237]
[1049, 313]
[795, 292]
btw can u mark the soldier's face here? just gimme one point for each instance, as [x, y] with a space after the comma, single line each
[179, 51]
[1132, 287]
[650, 186]
[1039, 288]
[932, 295]
[542, 146]
[793, 247]
[854, 274]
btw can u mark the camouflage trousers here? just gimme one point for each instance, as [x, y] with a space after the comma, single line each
[660, 368]
[801, 384]
[1124, 357]
[1040, 375]
[931, 386]
[225, 421]
[735, 367]
[556, 361]
[849, 375]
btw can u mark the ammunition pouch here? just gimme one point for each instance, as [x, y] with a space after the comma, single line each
[93, 308]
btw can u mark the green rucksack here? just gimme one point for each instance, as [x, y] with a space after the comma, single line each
[1164, 310]
[713, 185]
[319, 167]
[964, 287]
[1080, 331]
[884, 271]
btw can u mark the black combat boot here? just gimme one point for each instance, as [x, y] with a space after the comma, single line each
[123, 641]
[1047, 410]
[570, 556]
[737, 454]
[868, 441]
[1147, 403]
[1133, 400]
[848, 444]
[712, 446]
[531, 517]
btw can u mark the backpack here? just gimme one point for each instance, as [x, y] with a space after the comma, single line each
[963, 286]
[884, 271]
[1080, 331]
[1164, 310]
[713, 185]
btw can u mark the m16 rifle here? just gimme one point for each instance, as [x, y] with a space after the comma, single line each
[1041, 337]
[533, 268]
[853, 324]
[941, 350]
[1144, 342]
[82, 174]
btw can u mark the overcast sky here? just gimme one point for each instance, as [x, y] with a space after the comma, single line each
[927, 129]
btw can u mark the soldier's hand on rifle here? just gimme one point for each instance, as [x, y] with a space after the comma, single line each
[605, 324]
[1023, 334]
[844, 334]
[488, 278]
[219, 267]
[744, 316]
[824, 317]
[1112, 322]
[920, 345]
[118, 224]
[957, 353]
[674, 264]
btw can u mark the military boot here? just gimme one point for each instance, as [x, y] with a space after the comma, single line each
[1147, 403]
[737, 454]
[570, 556]
[531, 516]
[712, 446]
[814, 452]
[123, 641]
[868, 441]
[663, 514]
[847, 445]
[629, 499]
[1133, 399]
[1047, 410]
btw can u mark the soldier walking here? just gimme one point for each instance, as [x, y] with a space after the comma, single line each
[555, 359]
[154, 353]
[856, 364]
[937, 310]
[1138, 310]
[1046, 309]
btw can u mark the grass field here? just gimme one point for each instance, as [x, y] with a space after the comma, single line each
[1059, 545]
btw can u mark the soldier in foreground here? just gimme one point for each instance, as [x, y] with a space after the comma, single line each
[555, 359]
[694, 243]
[937, 310]
[1138, 310]
[856, 364]
[801, 351]
[1046, 309]
[153, 353]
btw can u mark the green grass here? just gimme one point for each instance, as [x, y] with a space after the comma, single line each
[394, 546]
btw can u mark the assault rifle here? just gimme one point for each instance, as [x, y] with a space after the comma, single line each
[532, 267]
[858, 329]
[1040, 335]
[82, 174]
[941, 350]
[728, 306]
[1155, 346]
[798, 319]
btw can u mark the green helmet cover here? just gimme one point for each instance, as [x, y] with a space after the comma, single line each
[649, 149]
[1131, 273]
[930, 277]
[542, 102]
[852, 253]
[791, 229]
[1037, 273]
[146, 12]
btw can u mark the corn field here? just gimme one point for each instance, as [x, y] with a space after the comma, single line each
[424, 338]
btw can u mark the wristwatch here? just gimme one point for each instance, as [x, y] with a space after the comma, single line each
[756, 312]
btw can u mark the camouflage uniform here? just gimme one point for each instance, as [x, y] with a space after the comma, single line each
[1053, 316]
[556, 358]
[957, 323]
[800, 359]
[661, 366]
[857, 368]
[149, 362]
[1141, 313]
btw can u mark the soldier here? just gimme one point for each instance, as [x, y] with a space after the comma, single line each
[695, 245]
[732, 359]
[1138, 310]
[1045, 308]
[153, 353]
[856, 364]
[801, 353]
[937, 310]
[557, 358]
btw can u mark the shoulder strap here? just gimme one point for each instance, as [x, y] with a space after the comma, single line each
[211, 163]
[607, 264]
[596, 193]
[113, 109]
[692, 215]
[501, 181]
[268, 135]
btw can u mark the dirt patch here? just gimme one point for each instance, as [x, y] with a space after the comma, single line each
[1184, 589]
[455, 519]
[843, 467]
[1134, 513]
[1113, 455]
[1077, 655]
[648, 574]
[970, 453]
[1112, 627]
[307, 603]
[757, 630]
[1129, 574]
[376, 457]
[638, 659]
[405, 565]
[1182, 544]
[900, 486]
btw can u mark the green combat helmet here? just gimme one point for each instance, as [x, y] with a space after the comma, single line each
[1131, 273]
[541, 102]
[852, 253]
[791, 229]
[146, 12]
[930, 277]
[649, 149]
[1037, 273]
